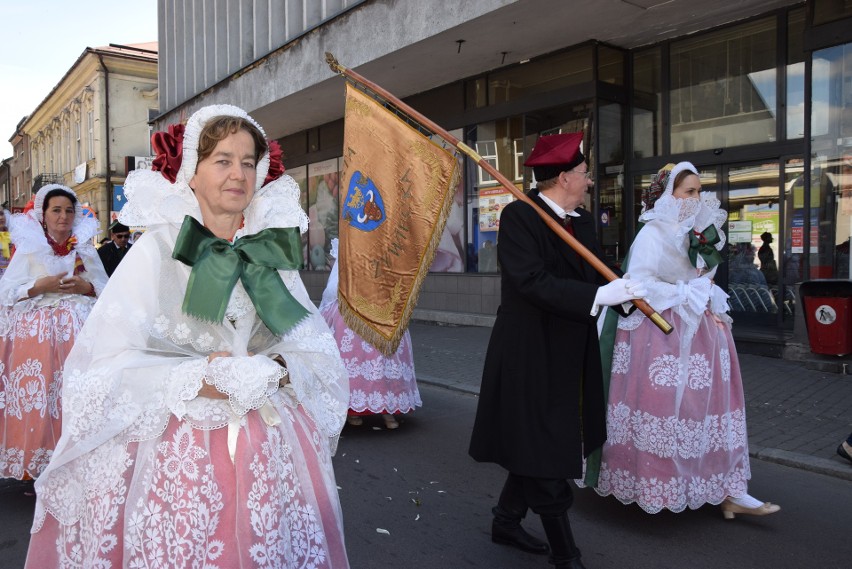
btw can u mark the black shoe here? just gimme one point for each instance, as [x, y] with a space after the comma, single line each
[516, 536]
[842, 452]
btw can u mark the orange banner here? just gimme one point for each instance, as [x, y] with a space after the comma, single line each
[396, 194]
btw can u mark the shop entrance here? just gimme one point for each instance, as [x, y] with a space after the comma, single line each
[761, 261]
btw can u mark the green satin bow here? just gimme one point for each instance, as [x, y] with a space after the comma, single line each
[254, 259]
[703, 244]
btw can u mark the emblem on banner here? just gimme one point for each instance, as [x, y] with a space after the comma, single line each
[363, 208]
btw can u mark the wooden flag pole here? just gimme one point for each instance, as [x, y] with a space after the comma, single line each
[572, 242]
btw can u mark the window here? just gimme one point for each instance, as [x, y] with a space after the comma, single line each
[795, 74]
[518, 146]
[488, 150]
[647, 106]
[78, 147]
[90, 120]
[723, 89]
[831, 164]
[831, 10]
[68, 164]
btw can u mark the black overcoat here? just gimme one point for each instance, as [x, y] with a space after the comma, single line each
[111, 256]
[543, 357]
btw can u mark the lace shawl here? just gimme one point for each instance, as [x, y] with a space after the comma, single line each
[139, 359]
[34, 258]
[658, 258]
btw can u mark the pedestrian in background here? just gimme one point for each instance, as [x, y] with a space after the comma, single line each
[46, 293]
[113, 252]
[205, 393]
[378, 384]
[676, 424]
[541, 404]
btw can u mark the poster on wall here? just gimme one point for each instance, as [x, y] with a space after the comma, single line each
[300, 176]
[762, 222]
[797, 232]
[323, 182]
[491, 204]
[449, 257]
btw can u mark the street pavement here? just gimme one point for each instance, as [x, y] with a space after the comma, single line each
[796, 416]
[412, 498]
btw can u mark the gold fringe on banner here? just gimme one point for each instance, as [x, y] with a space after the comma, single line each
[397, 191]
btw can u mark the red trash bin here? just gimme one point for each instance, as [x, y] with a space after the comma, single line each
[828, 315]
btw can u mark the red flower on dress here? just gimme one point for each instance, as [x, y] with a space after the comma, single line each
[169, 149]
[276, 166]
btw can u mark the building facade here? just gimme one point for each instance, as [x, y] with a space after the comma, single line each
[95, 117]
[20, 170]
[5, 181]
[757, 94]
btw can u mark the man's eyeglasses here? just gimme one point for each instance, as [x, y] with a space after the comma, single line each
[121, 236]
[586, 174]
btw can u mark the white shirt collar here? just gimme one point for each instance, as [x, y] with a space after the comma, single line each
[557, 209]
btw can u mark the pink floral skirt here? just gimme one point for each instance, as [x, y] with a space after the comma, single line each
[676, 426]
[33, 348]
[182, 502]
[377, 384]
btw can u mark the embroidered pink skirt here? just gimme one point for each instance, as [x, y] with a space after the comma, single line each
[676, 427]
[183, 503]
[33, 348]
[377, 384]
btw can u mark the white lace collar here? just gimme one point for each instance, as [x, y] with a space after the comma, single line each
[153, 200]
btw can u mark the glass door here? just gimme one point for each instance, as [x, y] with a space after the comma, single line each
[753, 275]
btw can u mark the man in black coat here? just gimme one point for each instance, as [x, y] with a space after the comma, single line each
[112, 253]
[541, 406]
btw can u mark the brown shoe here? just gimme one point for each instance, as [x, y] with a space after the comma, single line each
[390, 421]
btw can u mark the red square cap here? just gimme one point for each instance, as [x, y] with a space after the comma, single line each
[557, 150]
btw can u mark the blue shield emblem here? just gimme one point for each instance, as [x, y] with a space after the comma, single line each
[363, 208]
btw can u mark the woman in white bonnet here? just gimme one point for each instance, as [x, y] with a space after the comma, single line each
[676, 430]
[199, 432]
[46, 294]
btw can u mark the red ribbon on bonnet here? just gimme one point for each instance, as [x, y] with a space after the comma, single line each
[169, 149]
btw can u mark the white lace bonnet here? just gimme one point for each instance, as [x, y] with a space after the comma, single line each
[196, 124]
[679, 167]
[38, 201]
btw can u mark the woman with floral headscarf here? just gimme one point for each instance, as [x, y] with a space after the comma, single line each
[199, 433]
[46, 294]
[676, 430]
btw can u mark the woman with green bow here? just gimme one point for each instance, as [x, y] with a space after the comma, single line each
[205, 395]
[676, 431]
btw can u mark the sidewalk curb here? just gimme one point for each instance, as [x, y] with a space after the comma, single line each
[438, 382]
[824, 466]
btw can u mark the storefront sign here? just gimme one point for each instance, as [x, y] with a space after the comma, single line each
[740, 231]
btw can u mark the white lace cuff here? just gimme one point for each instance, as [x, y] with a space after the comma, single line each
[184, 384]
[718, 300]
[248, 381]
[698, 294]
[663, 295]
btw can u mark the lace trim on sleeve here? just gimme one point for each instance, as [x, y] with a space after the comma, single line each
[248, 381]
[185, 380]
[317, 377]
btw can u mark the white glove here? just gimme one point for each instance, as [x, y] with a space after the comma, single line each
[619, 291]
